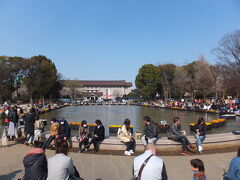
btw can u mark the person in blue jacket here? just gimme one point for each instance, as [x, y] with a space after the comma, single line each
[234, 168]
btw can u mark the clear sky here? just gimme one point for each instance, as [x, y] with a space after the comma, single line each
[112, 39]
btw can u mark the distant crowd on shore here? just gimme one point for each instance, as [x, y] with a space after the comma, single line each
[214, 105]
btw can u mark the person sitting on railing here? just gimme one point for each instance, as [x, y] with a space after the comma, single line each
[53, 133]
[150, 132]
[177, 135]
[98, 135]
[125, 136]
[64, 132]
[83, 136]
[201, 133]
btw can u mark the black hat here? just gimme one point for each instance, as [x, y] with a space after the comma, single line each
[147, 118]
[84, 122]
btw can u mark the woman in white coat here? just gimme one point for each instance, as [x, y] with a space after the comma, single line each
[125, 136]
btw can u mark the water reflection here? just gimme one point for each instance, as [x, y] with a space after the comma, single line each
[116, 115]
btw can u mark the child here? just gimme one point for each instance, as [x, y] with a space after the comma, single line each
[198, 169]
[4, 137]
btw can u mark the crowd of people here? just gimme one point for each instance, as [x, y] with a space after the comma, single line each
[218, 105]
[150, 135]
[145, 166]
[9, 121]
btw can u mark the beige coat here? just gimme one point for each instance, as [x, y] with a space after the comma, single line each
[124, 136]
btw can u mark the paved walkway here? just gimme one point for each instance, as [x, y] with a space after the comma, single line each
[110, 167]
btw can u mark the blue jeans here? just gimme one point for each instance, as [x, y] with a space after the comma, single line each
[199, 139]
[30, 138]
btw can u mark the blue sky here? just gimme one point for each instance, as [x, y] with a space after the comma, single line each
[112, 39]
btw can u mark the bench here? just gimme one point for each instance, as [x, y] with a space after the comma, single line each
[163, 144]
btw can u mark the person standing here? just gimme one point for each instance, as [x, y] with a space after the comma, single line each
[53, 133]
[13, 118]
[29, 126]
[3, 131]
[125, 136]
[201, 133]
[83, 136]
[198, 169]
[98, 135]
[177, 135]
[148, 166]
[150, 132]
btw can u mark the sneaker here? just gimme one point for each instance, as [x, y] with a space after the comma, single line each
[127, 153]
[131, 151]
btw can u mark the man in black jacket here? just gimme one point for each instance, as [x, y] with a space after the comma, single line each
[150, 132]
[64, 132]
[35, 163]
[98, 136]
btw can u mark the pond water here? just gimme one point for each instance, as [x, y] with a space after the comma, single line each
[115, 115]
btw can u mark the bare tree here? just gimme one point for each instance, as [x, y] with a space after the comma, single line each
[72, 88]
[228, 54]
[180, 80]
[218, 78]
[228, 51]
[203, 78]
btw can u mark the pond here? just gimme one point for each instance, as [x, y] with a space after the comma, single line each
[115, 115]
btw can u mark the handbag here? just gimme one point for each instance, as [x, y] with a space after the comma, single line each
[141, 168]
[6, 120]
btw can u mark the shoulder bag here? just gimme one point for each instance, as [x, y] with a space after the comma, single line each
[141, 168]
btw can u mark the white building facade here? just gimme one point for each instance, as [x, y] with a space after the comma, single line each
[101, 89]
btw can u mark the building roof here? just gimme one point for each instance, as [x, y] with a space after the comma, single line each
[102, 83]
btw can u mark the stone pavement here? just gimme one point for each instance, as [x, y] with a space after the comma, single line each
[112, 167]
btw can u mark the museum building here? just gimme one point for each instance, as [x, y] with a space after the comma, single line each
[95, 90]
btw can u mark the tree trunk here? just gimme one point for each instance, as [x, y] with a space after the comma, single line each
[31, 99]
[216, 93]
[1, 100]
[238, 94]
[43, 100]
[223, 94]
